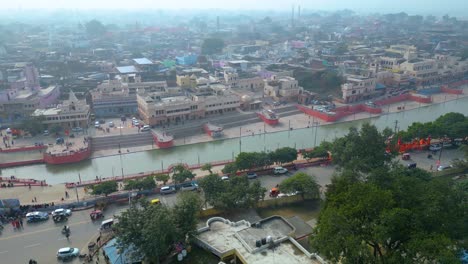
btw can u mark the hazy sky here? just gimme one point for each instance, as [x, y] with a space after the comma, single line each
[410, 6]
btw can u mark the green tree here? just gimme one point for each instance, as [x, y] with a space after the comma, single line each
[150, 230]
[105, 188]
[146, 183]
[186, 212]
[249, 160]
[230, 168]
[212, 187]
[396, 216]
[361, 151]
[284, 155]
[300, 182]
[33, 125]
[320, 151]
[56, 129]
[95, 28]
[164, 178]
[237, 193]
[207, 167]
[181, 173]
[212, 46]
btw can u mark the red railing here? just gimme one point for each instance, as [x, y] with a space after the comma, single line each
[20, 163]
[340, 112]
[25, 148]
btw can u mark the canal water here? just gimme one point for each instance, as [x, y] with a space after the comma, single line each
[224, 149]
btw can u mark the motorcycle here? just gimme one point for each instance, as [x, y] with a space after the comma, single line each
[66, 230]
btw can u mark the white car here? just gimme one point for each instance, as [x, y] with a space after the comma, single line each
[68, 253]
[61, 211]
[167, 190]
[444, 167]
[145, 128]
[111, 124]
[136, 123]
[435, 147]
[280, 170]
[225, 178]
[96, 124]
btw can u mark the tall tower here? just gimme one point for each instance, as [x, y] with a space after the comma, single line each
[292, 16]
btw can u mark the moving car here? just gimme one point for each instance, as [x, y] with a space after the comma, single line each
[111, 124]
[61, 211]
[145, 128]
[36, 217]
[280, 170]
[46, 133]
[102, 121]
[67, 253]
[167, 190]
[96, 124]
[77, 129]
[191, 186]
[251, 175]
[435, 147]
[155, 201]
[444, 167]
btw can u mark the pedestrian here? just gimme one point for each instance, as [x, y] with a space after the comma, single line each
[12, 142]
[67, 195]
[35, 199]
[431, 167]
[21, 222]
[32, 200]
[29, 185]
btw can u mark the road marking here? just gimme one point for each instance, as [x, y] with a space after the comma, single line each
[42, 230]
[33, 245]
[63, 238]
[3, 252]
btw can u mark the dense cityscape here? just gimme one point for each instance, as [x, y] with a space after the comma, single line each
[230, 136]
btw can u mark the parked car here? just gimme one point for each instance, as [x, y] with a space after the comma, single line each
[411, 165]
[61, 211]
[77, 129]
[136, 123]
[68, 253]
[145, 128]
[102, 121]
[444, 167]
[280, 170]
[36, 217]
[446, 144]
[251, 175]
[191, 186]
[59, 140]
[96, 124]
[123, 118]
[435, 147]
[111, 124]
[46, 133]
[225, 178]
[167, 190]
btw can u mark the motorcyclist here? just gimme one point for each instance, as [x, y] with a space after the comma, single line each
[66, 229]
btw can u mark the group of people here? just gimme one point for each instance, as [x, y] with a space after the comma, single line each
[32, 207]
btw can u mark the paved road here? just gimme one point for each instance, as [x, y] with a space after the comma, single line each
[41, 241]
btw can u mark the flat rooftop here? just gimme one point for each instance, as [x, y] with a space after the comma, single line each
[224, 235]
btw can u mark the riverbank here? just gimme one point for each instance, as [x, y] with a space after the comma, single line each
[294, 122]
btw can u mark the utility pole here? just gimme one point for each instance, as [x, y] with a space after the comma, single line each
[396, 126]
[76, 191]
[240, 140]
[315, 136]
